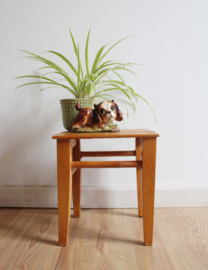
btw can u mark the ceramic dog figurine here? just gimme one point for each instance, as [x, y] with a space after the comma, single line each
[105, 112]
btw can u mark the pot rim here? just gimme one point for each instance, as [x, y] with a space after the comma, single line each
[77, 99]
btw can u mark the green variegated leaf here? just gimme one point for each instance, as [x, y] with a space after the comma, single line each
[76, 52]
[74, 43]
[96, 83]
[97, 59]
[113, 47]
[65, 60]
[86, 53]
[78, 74]
[64, 86]
[33, 76]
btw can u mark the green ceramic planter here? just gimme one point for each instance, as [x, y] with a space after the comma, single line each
[69, 111]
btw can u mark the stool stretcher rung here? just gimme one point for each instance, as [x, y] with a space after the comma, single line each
[107, 153]
[106, 164]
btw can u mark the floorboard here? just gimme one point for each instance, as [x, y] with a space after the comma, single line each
[104, 239]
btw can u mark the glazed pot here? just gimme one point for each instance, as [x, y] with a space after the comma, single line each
[69, 111]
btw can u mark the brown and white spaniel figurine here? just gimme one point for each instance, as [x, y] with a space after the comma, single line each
[105, 112]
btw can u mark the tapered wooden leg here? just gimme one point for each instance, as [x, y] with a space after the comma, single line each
[148, 187]
[76, 182]
[139, 176]
[64, 159]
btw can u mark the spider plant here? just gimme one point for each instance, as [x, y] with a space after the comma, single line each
[95, 82]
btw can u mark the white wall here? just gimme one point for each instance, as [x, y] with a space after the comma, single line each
[171, 42]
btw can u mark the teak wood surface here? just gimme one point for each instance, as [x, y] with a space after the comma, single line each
[69, 166]
[124, 133]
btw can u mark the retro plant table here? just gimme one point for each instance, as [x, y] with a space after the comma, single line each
[69, 166]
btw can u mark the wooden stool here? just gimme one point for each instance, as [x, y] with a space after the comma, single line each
[69, 173]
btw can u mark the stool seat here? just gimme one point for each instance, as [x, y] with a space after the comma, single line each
[69, 167]
[124, 133]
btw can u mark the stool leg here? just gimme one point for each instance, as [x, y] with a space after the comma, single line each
[139, 176]
[76, 182]
[148, 187]
[64, 159]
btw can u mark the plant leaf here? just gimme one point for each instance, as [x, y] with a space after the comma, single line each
[88, 90]
[124, 84]
[97, 58]
[65, 59]
[78, 74]
[73, 41]
[64, 86]
[39, 58]
[43, 67]
[113, 47]
[33, 76]
[76, 52]
[86, 53]
[70, 80]
[124, 91]
[146, 102]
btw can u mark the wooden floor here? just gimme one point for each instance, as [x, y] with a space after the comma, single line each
[104, 239]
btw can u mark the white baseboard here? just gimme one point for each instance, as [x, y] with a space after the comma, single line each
[103, 197]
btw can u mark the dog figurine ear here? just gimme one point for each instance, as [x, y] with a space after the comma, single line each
[119, 113]
[96, 119]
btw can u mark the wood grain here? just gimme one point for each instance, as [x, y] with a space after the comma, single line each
[76, 182]
[28, 239]
[138, 142]
[148, 187]
[107, 153]
[66, 166]
[106, 164]
[125, 133]
[64, 178]
[104, 239]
